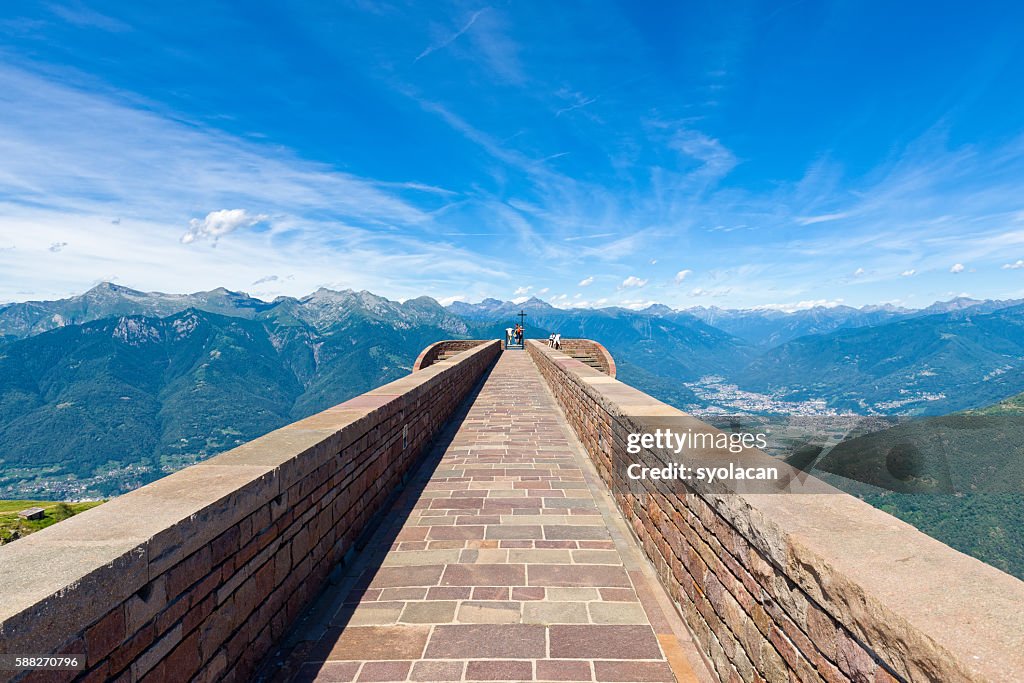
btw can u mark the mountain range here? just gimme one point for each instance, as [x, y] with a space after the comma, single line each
[122, 388]
[102, 392]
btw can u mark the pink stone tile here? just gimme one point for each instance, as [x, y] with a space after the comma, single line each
[528, 593]
[327, 672]
[658, 672]
[563, 670]
[384, 671]
[462, 641]
[434, 671]
[490, 593]
[449, 593]
[594, 641]
[485, 575]
[500, 670]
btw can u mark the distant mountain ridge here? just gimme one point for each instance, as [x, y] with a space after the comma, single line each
[770, 327]
[763, 327]
[321, 309]
[103, 391]
[929, 364]
[760, 327]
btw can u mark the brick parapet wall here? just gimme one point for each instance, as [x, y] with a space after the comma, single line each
[797, 587]
[196, 576]
[593, 349]
[448, 347]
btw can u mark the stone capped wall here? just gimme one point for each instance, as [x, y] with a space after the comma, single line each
[798, 587]
[442, 349]
[589, 347]
[197, 575]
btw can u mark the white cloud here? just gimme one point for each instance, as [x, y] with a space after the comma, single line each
[633, 282]
[802, 305]
[561, 301]
[682, 275]
[858, 272]
[824, 218]
[544, 291]
[654, 261]
[908, 273]
[638, 304]
[522, 290]
[449, 300]
[587, 281]
[520, 299]
[1016, 265]
[220, 223]
[957, 268]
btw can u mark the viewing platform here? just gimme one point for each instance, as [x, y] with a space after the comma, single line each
[504, 560]
[467, 523]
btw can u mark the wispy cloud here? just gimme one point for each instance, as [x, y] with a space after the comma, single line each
[823, 218]
[153, 164]
[717, 293]
[587, 281]
[125, 190]
[579, 103]
[682, 275]
[79, 15]
[1016, 265]
[451, 37]
[714, 159]
[596, 236]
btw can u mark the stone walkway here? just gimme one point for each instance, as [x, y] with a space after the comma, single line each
[503, 562]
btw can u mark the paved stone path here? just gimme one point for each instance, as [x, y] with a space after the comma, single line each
[504, 562]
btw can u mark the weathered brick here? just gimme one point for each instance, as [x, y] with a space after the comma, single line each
[144, 605]
[224, 546]
[102, 637]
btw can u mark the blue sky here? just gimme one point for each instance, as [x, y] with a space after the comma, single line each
[590, 153]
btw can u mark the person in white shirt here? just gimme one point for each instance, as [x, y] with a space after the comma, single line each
[508, 336]
[557, 341]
